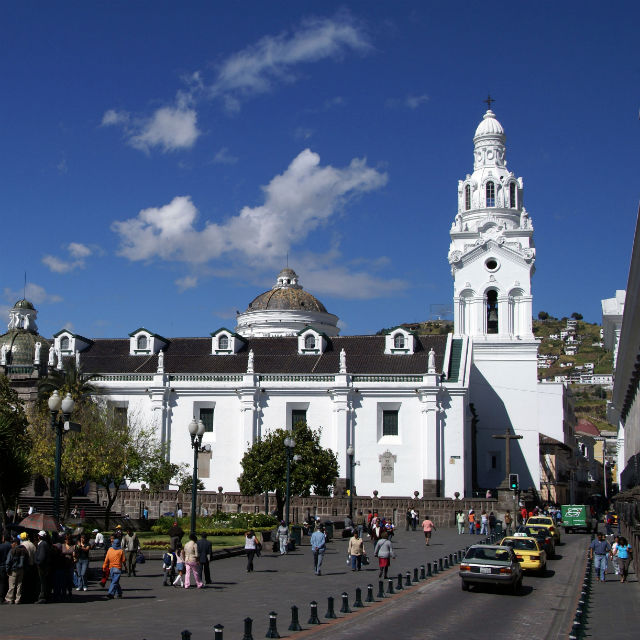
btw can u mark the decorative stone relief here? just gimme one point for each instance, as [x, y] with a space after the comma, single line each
[387, 462]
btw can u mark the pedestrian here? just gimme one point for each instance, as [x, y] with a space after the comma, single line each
[179, 512]
[361, 524]
[625, 554]
[83, 514]
[114, 562]
[180, 567]
[376, 530]
[472, 522]
[131, 544]
[484, 523]
[408, 519]
[30, 581]
[414, 519]
[384, 552]
[5, 548]
[460, 521]
[16, 562]
[168, 567]
[507, 522]
[598, 551]
[81, 557]
[68, 566]
[318, 547]
[523, 514]
[43, 561]
[191, 561]
[492, 522]
[608, 521]
[428, 527]
[175, 535]
[356, 551]
[98, 540]
[145, 514]
[282, 534]
[252, 547]
[204, 556]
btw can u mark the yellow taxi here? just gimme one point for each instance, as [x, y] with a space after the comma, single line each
[530, 554]
[545, 521]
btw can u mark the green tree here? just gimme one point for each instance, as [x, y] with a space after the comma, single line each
[543, 315]
[185, 481]
[264, 466]
[15, 470]
[71, 380]
[576, 316]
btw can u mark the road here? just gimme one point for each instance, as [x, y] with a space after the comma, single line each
[436, 607]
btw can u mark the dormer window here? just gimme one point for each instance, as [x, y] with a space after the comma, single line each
[310, 342]
[512, 195]
[142, 343]
[64, 343]
[226, 343]
[398, 341]
[490, 191]
[223, 342]
[467, 197]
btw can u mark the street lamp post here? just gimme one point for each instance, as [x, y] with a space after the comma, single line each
[196, 431]
[350, 452]
[289, 444]
[58, 421]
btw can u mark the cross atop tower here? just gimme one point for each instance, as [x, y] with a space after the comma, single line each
[489, 100]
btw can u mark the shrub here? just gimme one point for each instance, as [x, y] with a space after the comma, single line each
[224, 523]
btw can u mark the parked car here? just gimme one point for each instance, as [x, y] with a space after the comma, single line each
[491, 564]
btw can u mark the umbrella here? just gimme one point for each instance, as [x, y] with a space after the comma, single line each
[39, 521]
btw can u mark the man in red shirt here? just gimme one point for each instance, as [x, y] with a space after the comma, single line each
[427, 527]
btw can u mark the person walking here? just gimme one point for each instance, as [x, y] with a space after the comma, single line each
[43, 561]
[251, 547]
[131, 544]
[16, 563]
[598, 551]
[318, 547]
[282, 534]
[204, 556]
[408, 518]
[30, 572]
[624, 553]
[472, 522]
[5, 548]
[484, 523]
[428, 527]
[168, 567]
[81, 557]
[356, 551]
[460, 521]
[508, 520]
[492, 523]
[614, 555]
[175, 535]
[180, 567]
[384, 552]
[114, 562]
[192, 564]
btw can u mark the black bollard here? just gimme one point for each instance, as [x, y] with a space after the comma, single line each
[369, 597]
[185, 635]
[423, 575]
[295, 623]
[451, 560]
[313, 619]
[440, 568]
[445, 565]
[399, 586]
[380, 589]
[415, 575]
[357, 603]
[331, 612]
[407, 579]
[390, 586]
[272, 632]
[429, 572]
[435, 567]
[247, 629]
[345, 603]
[217, 632]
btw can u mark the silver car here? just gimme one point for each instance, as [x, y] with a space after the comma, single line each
[491, 564]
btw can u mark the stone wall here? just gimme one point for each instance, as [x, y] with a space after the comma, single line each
[441, 511]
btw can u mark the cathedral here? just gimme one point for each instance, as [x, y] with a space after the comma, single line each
[419, 412]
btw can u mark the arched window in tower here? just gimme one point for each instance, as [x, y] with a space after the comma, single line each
[64, 343]
[491, 194]
[142, 343]
[398, 341]
[310, 342]
[512, 195]
[492, 311]
[467, 197]
[223, 342]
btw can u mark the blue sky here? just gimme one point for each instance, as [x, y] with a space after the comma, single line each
[160, 159]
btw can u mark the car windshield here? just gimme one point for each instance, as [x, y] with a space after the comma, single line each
[487, 553]
[523, 544]
[540, 520]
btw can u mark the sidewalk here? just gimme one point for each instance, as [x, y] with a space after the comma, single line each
[614, 608]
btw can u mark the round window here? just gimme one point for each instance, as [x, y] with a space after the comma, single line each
[492, 264]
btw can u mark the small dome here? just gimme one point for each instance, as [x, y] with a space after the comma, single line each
[489, 126]
[286, 298]
[21, 347]
[23, 304]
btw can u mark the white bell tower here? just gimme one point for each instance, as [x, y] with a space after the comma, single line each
[492, 258]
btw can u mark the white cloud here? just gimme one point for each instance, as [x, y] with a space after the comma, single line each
[410, 101]
[258, 67]
[34, 293]
[302, 133]
[57, 265]
[171, 128]
[78, 252]
[114, 117]
[187, 282]
[224, 157]
[296, 202]
[341, 282]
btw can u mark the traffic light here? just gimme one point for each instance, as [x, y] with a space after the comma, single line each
[514, 482]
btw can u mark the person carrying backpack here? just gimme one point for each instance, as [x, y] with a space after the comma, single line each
[15, 565]
[168, 567]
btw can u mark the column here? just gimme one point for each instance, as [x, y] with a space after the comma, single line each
[430, 441]
[503, 316]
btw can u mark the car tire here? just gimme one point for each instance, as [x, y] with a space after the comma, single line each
[464, 585]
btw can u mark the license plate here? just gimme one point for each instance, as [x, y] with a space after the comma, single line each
[485, 569]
